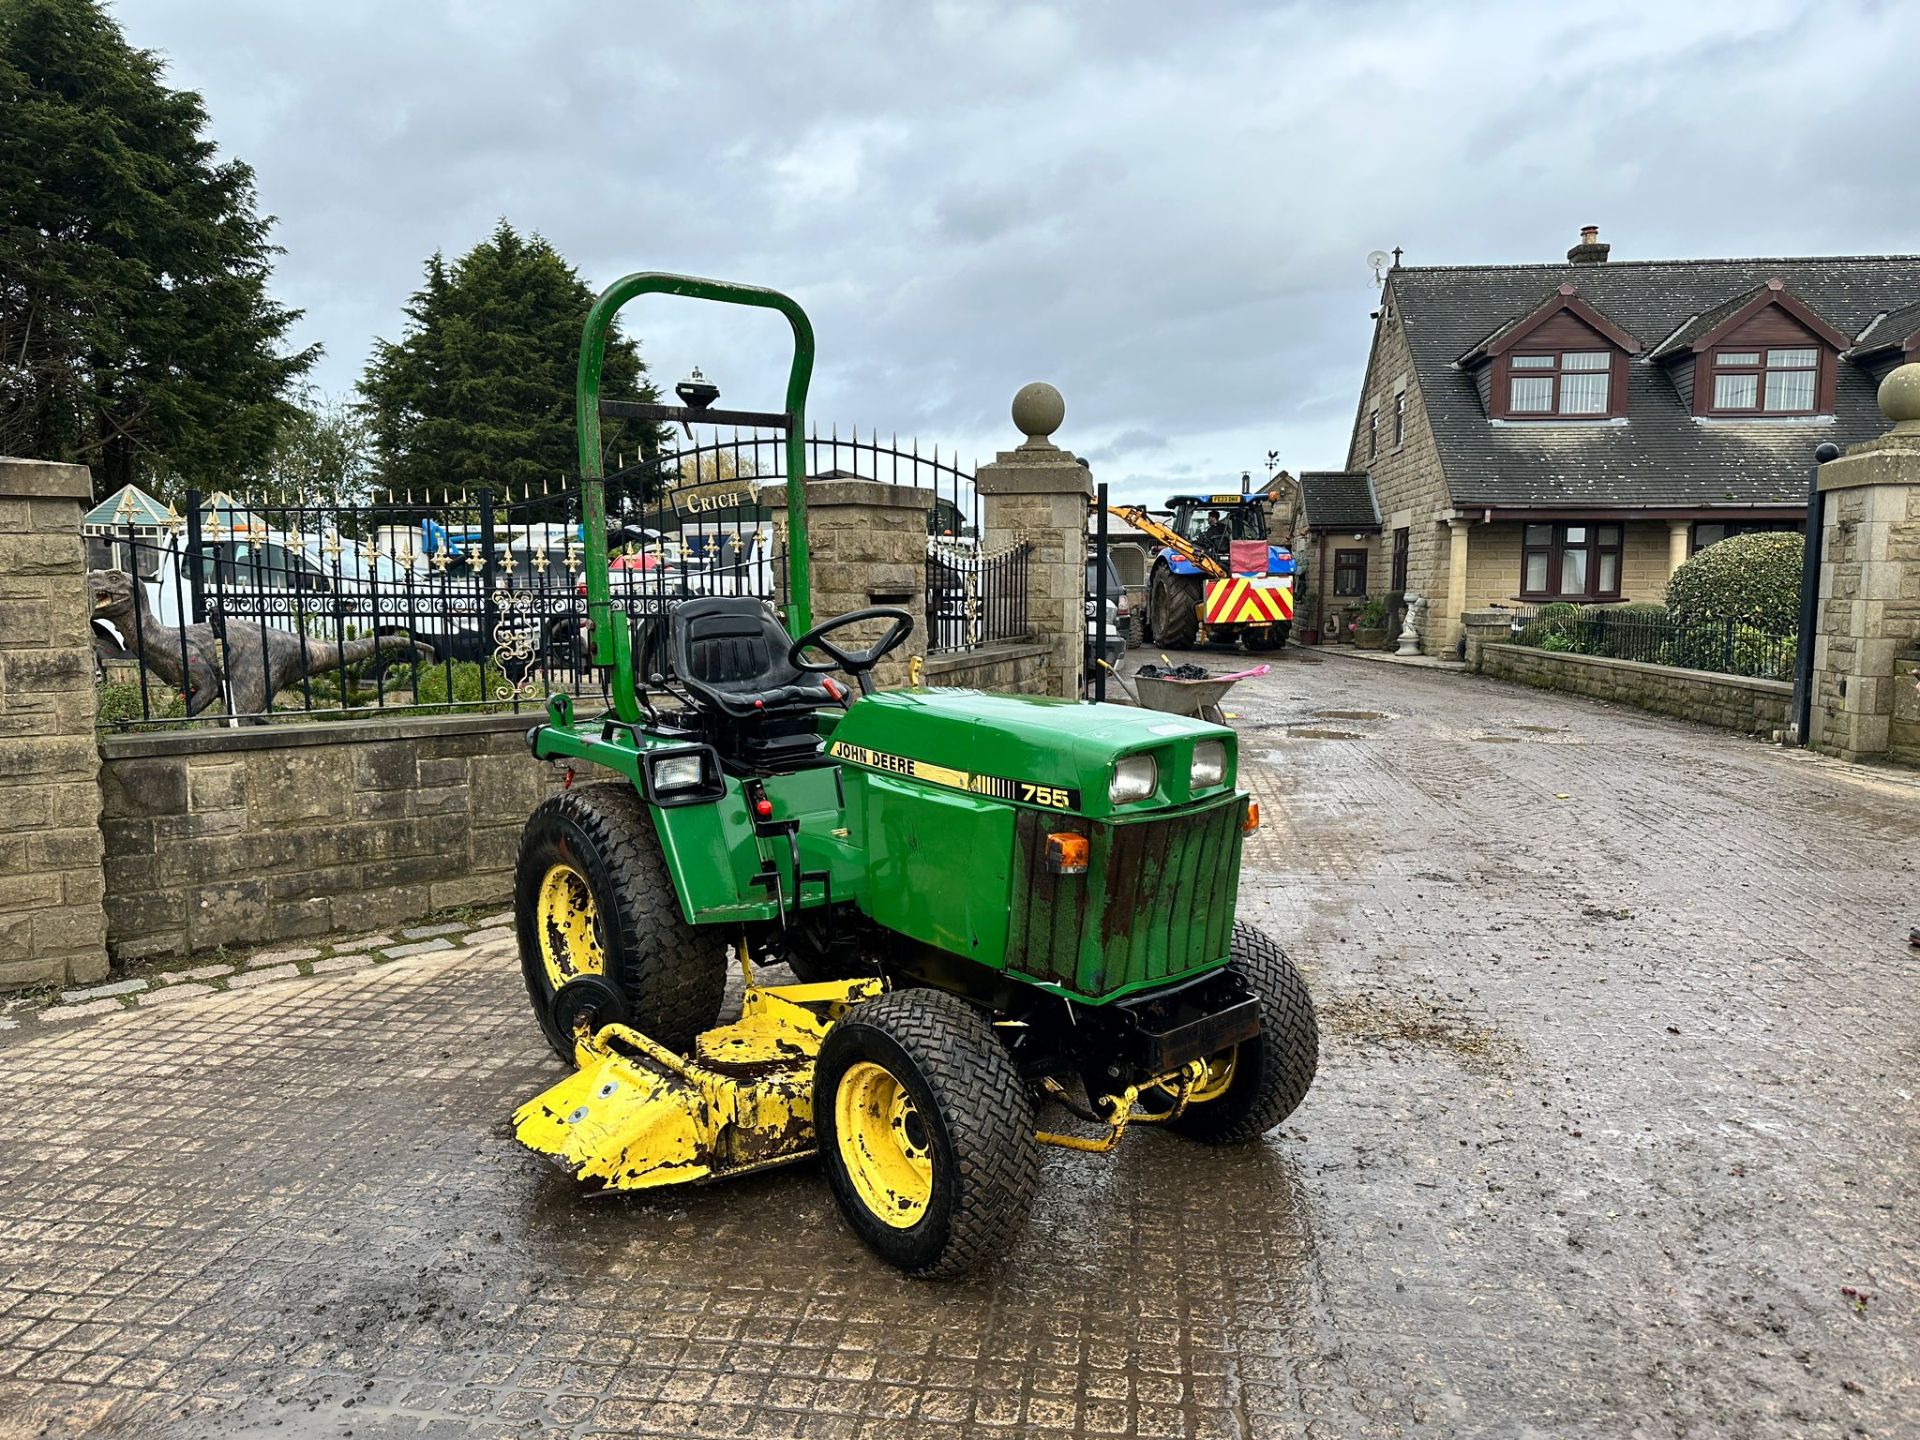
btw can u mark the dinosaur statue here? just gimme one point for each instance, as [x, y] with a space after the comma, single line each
[251, 679]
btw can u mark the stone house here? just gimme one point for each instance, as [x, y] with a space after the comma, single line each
[1575, 430]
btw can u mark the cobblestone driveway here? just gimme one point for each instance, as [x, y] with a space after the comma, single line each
[1615, 1135]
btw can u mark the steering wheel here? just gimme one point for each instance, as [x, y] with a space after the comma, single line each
[857, 663]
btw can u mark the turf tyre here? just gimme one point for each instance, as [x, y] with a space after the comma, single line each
[1173, 605]
[1272, 1072]
[672, 975]
[986, 1161]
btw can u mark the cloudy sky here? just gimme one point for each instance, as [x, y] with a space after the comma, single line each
[1163, 208]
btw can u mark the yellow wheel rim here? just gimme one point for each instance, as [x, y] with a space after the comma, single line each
[569, 931]
[1218, 1077]
[885, 1144]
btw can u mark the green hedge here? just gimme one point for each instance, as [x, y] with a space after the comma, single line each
[1748, 579]
[120, 705]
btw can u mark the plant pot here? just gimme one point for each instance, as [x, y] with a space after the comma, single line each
[1309, 637]
[1369, 639]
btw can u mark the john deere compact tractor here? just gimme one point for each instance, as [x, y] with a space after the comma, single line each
[994, 903]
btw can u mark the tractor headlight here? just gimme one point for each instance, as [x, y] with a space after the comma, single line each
[678, 772]
[1209, 765]
[1134, 778]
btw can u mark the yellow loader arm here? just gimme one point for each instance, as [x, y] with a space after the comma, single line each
[1139, 519]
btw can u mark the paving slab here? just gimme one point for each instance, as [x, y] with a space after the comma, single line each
[98, 992]
[426, 932]
[336, 964]
[197, 972]
[173, 993]
[246, 979]
[419, 947]
[1613, 1130]
[281, 957]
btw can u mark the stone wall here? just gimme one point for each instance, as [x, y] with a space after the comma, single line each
[867, 544]
[1016, 667]
[1733, 702]
[50, 888]
[236, 836]
[1409, 483]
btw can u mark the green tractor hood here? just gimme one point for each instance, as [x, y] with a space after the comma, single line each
[961, 800]
[1030, 749]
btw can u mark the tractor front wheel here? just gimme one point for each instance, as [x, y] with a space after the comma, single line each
[592, 898]
[1254, 1086]
[926, 1132]
[1173, 604]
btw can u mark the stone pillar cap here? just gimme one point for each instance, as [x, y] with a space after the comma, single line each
[1899, 399]
[1038, 410]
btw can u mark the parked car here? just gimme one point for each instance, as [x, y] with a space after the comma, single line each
[1119, 618]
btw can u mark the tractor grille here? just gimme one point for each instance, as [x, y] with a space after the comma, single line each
[1157, 899]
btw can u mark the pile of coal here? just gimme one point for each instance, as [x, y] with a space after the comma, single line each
[1151, 671]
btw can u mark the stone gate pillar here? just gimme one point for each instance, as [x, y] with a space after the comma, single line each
[1039, 493]
[53, 927]
[1866, 656]
[868, 543]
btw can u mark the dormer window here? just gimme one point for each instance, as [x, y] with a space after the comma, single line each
[1766, 381]
[1567, 382]
[1762, 354]
[1562, 361]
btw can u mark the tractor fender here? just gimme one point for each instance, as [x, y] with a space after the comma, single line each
[1172, 560]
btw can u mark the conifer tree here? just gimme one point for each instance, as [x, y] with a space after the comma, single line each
[136, 332]
[478, 391]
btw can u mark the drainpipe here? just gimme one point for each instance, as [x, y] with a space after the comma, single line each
[1809, 596]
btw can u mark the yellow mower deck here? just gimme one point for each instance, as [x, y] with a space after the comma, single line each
[635, 1115]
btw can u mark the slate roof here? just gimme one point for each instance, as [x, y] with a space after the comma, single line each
[1338, 500]
[1660, 456]
[1889, 330]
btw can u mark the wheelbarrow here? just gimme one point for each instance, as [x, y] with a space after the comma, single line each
[1200, 698]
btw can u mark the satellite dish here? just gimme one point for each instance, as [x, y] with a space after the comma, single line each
[1378, 259]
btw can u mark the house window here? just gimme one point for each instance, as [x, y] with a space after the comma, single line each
[1399, 418]
[1707, 533]
[1349, 572]
[1570, 560]
[1373, 434]
[1570, 383]
[1400, 539]
[1766, 382]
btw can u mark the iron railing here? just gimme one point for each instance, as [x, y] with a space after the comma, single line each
[232, 611]
[1651, 636]
[256, 612]
[974, 599]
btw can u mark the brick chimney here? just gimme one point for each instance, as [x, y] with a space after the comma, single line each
[1589, 251]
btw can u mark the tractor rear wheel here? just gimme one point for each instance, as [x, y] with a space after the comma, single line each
[592, 897]
[1173, 604]
[1254, 1086]
[926, 1132]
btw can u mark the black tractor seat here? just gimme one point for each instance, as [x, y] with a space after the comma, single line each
[730, 654]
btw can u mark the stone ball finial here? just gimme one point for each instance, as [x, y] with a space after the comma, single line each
[1899, 398]
[1038, 411]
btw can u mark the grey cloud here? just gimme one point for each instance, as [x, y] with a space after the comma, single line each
[1163, 210]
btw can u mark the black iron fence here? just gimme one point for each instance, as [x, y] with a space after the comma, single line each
[1649, 634]
[232, 611]
[975, 599]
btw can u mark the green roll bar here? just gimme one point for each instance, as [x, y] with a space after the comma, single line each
[611, 643]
